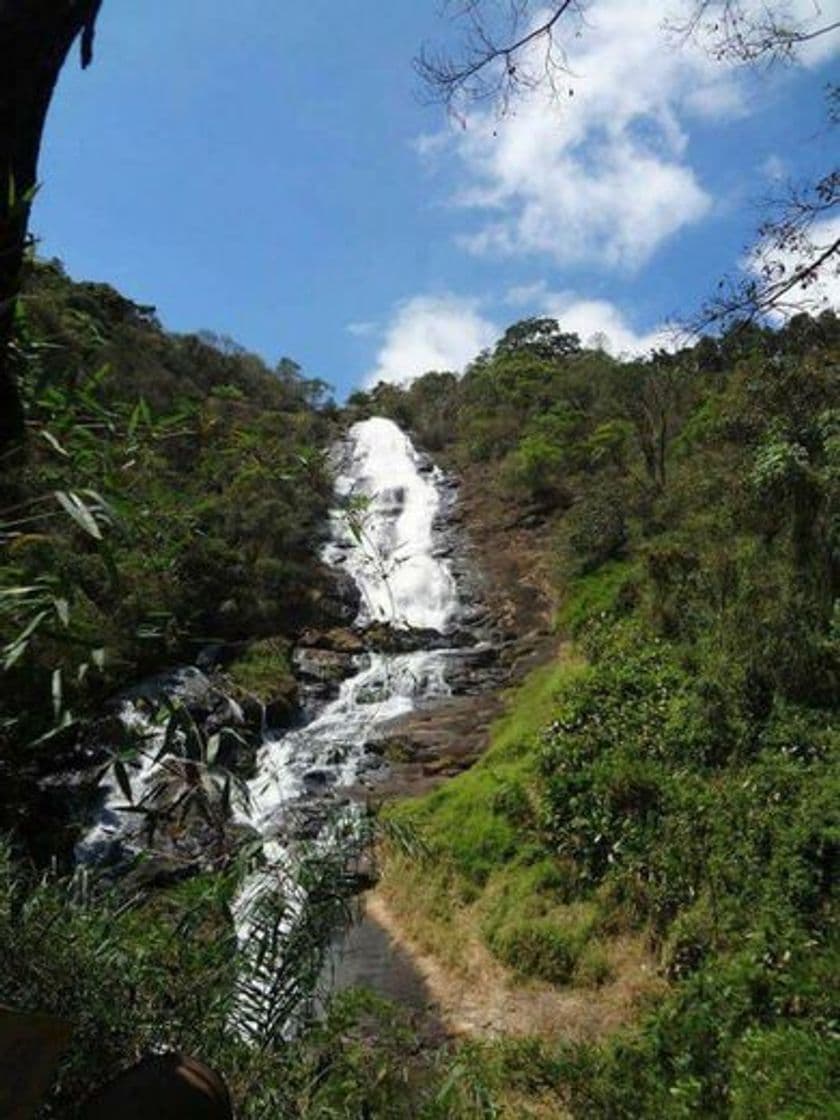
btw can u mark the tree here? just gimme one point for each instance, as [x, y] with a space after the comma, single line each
[540, 337]
[35, 39]
[652, 396]
[511, 47]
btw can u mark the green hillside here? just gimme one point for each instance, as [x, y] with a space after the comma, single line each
[682, 789]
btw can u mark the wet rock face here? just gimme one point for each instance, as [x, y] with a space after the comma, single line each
[381, 637]
[341, 602]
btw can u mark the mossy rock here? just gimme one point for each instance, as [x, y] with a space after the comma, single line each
[264, 673]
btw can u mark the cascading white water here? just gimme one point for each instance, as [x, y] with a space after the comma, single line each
[386, 542]
[113, 826]
[384, 535]
[388, 547]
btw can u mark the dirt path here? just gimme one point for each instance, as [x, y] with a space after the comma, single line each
[483, 999]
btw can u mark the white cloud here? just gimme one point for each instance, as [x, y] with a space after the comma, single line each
[445, 332]
[774, 168]
[595, 321]
[600, 323]
[604, 177]
[431, 332]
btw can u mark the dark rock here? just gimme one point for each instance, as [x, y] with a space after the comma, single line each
[211, 656]
[155, 870]
[317, 781]
[342, 600]
[339, 639]
[384, 638]
[281, 711]
[324, 664]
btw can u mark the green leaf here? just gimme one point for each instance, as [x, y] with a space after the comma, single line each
[16, 648]
[212, 751]
[67, 720]
[62, 609]
[14, 654]
[102, 505]
[53, 442]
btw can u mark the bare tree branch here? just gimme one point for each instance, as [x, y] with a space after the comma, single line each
[798, 249]
[493, 65]
[499, 60]
[733, 31]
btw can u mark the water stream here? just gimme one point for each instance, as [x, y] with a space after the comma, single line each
[387, 544]
[385, 533]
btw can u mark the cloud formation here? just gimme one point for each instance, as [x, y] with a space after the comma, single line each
[445, 332]
[600, 323]
[602, 178]
[431, 332]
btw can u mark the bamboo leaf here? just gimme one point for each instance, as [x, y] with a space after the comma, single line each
[54, 444]
[121, 774]
[214, 742]
[14, 654]
[57, 690]
[102, 505]
[16, 648]
[67, 720]
[76, 508]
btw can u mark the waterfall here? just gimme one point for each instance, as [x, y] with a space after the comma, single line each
[384, 532]
[384, 535]
[387, 544]
[390, 550]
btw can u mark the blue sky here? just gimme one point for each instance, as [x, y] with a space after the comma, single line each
[268, 171]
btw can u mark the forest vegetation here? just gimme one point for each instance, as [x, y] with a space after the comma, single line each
[172, 497]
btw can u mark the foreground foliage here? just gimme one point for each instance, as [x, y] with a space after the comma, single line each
[170, 497]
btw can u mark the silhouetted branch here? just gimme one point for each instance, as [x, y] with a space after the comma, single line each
[798, 247]
[492, 65]
[734, 31]
[88, 32]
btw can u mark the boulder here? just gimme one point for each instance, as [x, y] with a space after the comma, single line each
[324, 664]
[340, 639]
